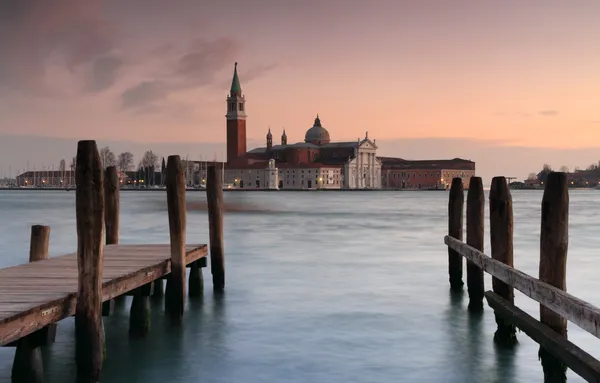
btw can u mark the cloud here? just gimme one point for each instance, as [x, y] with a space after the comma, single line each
[200, 65]
[548, 113]
[35, 34]
[144, 95]
[104, 73]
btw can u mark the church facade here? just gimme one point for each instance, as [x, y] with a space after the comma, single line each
[315, 163]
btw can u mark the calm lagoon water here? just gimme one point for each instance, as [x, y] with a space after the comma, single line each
[321, 287]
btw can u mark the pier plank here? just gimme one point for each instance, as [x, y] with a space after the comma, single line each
[36, 294]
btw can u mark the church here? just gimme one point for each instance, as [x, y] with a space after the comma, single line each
[315, 163]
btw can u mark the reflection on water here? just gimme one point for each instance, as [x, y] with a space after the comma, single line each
[321, 287]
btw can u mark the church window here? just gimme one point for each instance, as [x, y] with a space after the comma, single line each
[241, 105]
[232, 106]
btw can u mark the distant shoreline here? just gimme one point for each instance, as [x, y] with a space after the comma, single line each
[232, 190]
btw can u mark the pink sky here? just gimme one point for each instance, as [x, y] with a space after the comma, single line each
[512, 73]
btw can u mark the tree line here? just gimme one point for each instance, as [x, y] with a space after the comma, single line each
[546, 169]
[124, 161]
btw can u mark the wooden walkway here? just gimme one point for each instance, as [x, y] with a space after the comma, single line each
[36, 294]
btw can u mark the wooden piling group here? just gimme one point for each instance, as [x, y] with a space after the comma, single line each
[556, 306]
[97, 220]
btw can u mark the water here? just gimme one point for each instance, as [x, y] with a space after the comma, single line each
[321, 287]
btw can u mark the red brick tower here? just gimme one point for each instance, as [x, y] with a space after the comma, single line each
[236, 119]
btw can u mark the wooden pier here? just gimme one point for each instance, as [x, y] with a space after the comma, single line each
[40, 293]
[37, 295]
[556, 305]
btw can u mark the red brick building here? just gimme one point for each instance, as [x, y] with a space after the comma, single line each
[397, 173]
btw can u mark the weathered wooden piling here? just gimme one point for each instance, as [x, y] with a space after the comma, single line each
[111, 220]
[158, 290]
[214, 196]
[89, 196]
[554, 242]
[456, 204]
[501, 233]
[195, 281]
[139, 315]
[28, 365]
[475, 238]
[175, 293]
[112, 204]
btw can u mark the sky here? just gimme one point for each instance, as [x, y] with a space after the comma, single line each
[511, 85]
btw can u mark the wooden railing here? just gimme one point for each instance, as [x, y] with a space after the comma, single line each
[556, 305]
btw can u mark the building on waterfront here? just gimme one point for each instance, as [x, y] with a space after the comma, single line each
[320, 163]
[398, 173]
[315, 163]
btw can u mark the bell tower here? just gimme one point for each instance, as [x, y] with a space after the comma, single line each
[236, 119]
[269, 140]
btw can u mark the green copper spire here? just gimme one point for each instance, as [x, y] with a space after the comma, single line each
[235, 83]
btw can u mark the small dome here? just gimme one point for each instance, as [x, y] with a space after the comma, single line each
[317, 135]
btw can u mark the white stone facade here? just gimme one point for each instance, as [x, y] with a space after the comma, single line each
[298, 178]
[364, 170]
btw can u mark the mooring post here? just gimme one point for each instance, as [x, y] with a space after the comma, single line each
[89, 202]
[214, 197]
[111, 220]
[175, 293]
[456, 204]
[501, 233]
[554, 241]
[475, 238]
[28, 366]
[112, 205]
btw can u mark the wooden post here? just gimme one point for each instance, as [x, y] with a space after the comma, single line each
[111, 198]
[175, 296]
[196, 282]
[139, 315]
[214, 197]
[501, 233]
[475, 221]
[89, 202]
[456, 205]
[111, 219]
[554, 242]
[39, 243]
[28, 365]
[158, 289]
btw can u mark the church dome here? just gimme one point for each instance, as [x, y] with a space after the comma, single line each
[317, 135]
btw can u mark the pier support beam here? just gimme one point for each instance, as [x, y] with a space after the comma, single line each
[456, 205]
[27, 366]
[475, 238]
[214, 197]
[501, 233]
[175, 294]
[158, 289]
[139, 315]
[196, 281]
[554, 242]
[89, 202]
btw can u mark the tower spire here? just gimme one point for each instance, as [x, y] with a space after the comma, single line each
[236, 88]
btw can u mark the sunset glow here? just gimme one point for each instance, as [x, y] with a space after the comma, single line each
[510, 75]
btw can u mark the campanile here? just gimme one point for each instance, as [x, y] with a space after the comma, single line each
[236, 119]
